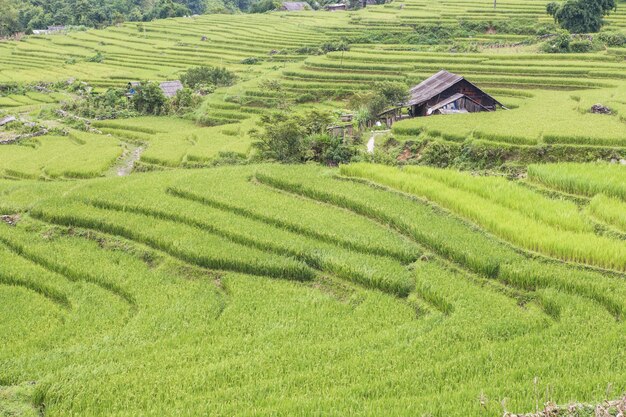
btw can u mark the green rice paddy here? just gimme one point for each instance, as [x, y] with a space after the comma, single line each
[191, 289]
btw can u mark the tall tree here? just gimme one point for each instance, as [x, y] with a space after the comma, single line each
[9, 22]
[581, 16]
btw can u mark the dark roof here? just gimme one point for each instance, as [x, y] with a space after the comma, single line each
[432, 86]
[436, 85]
[170, 88]
[293, 6]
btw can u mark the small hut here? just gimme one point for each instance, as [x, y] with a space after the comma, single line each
[443, 93]
[448, 92]
[170, 88]
[335, 7]
[294, 6]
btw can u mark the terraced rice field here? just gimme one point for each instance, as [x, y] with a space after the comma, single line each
[291, 282]
[546, 92]
[266, 289]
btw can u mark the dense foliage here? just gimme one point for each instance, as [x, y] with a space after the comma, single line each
[24, 15]
[581, 16]
[294, 138]
[204, 76]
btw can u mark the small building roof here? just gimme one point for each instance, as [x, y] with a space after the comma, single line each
[336, 6]
[170, 88]
[6, 120]
[432, 86]
[294, 6]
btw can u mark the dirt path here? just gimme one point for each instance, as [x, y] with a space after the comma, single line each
[128, 163]
[372, 142]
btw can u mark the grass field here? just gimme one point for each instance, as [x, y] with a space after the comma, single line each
[209, 283]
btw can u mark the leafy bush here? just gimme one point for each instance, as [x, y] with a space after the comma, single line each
[308, 50]
[558, 44]
[184, 101]
[581, 46]
[297, 138]
[386, 94]
[205, 75]
[613, 39]
[150, 99]
[112, 104]
[250, 61]
[335, 46]
[263, 6]
[97, 58]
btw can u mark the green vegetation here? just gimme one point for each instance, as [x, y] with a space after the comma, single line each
[233, 249]
[583, 179]
[151, 306]
[581, 16]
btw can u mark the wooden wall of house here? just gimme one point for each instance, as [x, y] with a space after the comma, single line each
[468, 89]
[469, 105]
[463, 87]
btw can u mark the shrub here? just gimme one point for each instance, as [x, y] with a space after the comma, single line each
[614, 39]
[558, 44]
[150, 99]
[250, 61]
[296, 138]
[335, 46]
[112, 104]
[184, 101]
[97, 58]
[205, 75]
[581, 46]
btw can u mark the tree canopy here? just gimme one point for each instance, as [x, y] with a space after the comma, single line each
[24, 15]
[581, 16]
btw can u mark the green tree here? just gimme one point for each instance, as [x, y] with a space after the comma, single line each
[287, 137]
[9, 22]
[581, 16]
[149, 99]
[204, 75]
[386, 94]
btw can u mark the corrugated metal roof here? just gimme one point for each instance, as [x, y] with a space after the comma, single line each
[432, 86]
[447, 101]
[170, 88]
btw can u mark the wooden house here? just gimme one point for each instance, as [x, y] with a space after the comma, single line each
[443, 93]
[447, 93]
